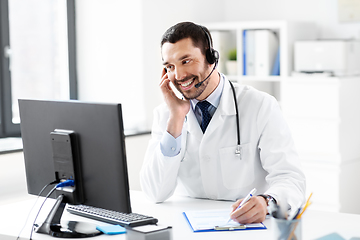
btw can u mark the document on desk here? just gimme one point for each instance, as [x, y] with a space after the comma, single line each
[216, 220]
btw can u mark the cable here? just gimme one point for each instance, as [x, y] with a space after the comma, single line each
[67, 183]
[47, 196]
[27, 218]
[62, 184]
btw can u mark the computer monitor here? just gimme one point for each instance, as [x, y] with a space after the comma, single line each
[98, 150]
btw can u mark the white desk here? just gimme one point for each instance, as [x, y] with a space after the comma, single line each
[315, 224]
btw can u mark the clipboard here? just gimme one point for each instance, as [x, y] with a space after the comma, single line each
[215, 220]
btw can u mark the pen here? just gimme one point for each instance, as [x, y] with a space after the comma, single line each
[306, 205]
[247, 198]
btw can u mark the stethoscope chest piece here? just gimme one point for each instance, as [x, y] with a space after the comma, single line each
[238, 151]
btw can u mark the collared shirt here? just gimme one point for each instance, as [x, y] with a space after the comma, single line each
[171, 146]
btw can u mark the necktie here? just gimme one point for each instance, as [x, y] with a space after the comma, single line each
[206, 117]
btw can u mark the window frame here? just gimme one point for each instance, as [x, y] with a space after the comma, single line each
[7, 127]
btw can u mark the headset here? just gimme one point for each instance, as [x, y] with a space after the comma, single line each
[212, 56]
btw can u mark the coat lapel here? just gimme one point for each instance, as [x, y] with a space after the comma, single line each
[193, 126]
[226, 108]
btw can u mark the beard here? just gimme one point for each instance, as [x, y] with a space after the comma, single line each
[194, 92]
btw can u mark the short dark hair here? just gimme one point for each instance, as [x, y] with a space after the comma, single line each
[188, 30]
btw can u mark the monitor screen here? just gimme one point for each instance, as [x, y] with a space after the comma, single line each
[100, 149]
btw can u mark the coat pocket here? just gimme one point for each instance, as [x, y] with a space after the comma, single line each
[237, 172]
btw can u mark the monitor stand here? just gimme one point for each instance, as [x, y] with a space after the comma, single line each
[69, 229]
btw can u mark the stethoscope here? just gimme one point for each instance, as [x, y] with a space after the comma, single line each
[238, 147]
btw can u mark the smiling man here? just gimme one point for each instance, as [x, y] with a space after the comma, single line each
[221, 139]
[185, 65]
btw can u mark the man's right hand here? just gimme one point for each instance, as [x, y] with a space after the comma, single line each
[178, 107]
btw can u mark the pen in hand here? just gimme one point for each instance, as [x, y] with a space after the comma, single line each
[247, 198]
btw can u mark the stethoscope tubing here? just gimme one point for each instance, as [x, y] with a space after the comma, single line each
[237, 151]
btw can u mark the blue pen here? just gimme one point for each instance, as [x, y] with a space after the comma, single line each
[247, 198]
[296, 214]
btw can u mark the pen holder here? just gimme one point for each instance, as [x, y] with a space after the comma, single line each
[286, 229]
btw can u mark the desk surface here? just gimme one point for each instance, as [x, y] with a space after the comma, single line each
[315, 224]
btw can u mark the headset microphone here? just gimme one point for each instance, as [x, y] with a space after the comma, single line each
[199, 84]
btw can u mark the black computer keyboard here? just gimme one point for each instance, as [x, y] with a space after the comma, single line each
[113, 217]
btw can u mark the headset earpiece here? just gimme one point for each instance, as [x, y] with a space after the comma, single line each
[212, 56]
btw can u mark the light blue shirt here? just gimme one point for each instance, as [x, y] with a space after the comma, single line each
[171, 146]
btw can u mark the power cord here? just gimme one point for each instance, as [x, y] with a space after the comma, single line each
[61, 184]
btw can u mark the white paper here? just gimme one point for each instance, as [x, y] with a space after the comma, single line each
[208, 219]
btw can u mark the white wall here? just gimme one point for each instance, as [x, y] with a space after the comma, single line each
[135, 153]
[109, 55]
[13, 186]
[118, 49]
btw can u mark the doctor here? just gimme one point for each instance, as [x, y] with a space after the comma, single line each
[197, 147]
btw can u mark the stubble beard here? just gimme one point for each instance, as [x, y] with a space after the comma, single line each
[193, 95]
[188, 95]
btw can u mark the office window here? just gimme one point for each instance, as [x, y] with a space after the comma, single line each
[35, 42]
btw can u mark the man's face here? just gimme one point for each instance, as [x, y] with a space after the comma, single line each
[186, 66]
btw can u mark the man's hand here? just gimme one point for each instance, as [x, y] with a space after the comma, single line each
[253, 211]
[178, 108]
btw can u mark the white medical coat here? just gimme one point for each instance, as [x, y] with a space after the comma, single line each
[207, 166]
